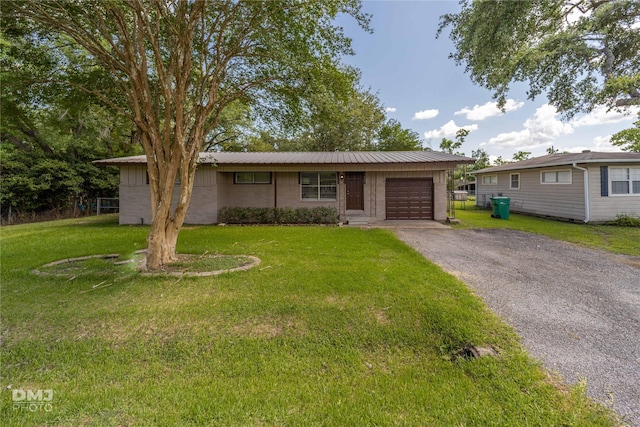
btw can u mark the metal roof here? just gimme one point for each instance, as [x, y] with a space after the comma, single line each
[308, 158]
[564, 159]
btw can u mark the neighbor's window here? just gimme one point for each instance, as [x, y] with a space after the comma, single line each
[319, 185]
[515, 181]
[556, 177]
[625, 180]
[252, 177]
[490, 180]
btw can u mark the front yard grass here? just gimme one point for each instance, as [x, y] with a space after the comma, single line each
[337, 326]
[622, 240]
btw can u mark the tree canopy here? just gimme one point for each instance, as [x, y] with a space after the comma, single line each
[579, 53]
[174, 67]
[628, 139]
[355, 122]
[49, 135]
[393, 137]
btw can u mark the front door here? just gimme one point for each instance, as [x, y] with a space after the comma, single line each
[354, 182]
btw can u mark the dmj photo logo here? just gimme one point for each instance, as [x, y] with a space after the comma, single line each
[30, 400]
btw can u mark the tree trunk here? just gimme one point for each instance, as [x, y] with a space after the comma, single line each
[167, 222]
[161, 243]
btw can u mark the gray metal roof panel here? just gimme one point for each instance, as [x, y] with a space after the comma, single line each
[280, 158]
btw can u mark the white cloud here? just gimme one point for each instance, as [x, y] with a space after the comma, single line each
[512, 139]
[600, 116]
[390, 109]
[448, 129]
[600, 143]
[545, 125]
[521, 140]
[425, 114]
[539, 131]
[490, 109]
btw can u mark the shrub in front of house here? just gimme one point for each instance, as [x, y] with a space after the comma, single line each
[317, 215]
[287, 216]
[624, 220]
[246, 216]
[323, 215]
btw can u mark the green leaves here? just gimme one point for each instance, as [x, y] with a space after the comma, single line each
[49, 132]
[628, 139]
[393, 137]
[577, 59]
[450, 146]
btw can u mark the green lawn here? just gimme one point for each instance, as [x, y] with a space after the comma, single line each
[337, 326]
[615, 239]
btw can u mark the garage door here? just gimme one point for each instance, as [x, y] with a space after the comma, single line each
[409, 198]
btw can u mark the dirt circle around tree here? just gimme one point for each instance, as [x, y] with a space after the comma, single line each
[193, 265]
[187, 265]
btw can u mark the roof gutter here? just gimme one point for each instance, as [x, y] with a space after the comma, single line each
[587, 214]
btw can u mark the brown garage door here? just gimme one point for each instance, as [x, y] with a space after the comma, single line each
[409, 198]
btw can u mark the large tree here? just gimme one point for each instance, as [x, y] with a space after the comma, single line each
[393, 137]
[354, 121]
[628, 139]
[179, 64]
[49, 134]
[340, 125]
[580, 53]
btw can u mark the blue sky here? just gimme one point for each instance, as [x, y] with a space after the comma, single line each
[409, 69]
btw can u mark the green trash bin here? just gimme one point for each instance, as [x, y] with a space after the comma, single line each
[500, 207]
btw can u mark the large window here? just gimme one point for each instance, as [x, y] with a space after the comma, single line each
[319, 185]
[556, 177]
[252, 177]
[625, 180]
[490, 180]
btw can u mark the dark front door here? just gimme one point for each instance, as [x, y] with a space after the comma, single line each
[354, 182]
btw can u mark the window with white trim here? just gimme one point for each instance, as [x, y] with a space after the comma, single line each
[489, 179]
[514, 181]
[624, 180]
[556, 177]
[252, 178]
[319, 185]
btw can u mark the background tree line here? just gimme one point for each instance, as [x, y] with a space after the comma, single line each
[247, 75]
[51, 129]
[50, 133]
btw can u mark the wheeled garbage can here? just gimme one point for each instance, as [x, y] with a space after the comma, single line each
[500, 207]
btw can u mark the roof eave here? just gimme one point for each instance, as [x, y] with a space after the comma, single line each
[141, 161]
[551, 165]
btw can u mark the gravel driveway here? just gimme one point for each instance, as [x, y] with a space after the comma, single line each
[576, 309]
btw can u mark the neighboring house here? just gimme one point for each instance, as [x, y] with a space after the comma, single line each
[587, 186]
[469, 187]
[367, 186]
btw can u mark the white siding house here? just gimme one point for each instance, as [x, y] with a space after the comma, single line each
[587, 186]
